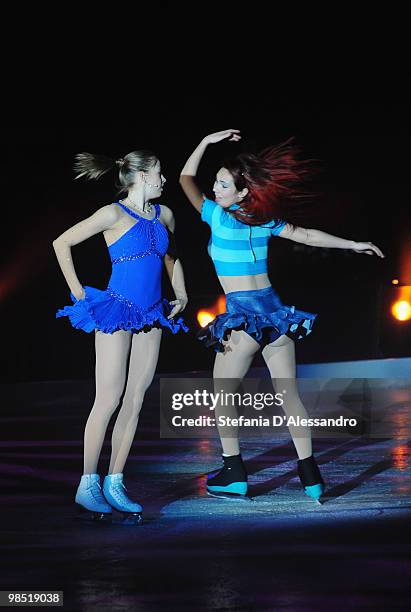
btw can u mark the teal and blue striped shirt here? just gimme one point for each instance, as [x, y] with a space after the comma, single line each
[236, 248]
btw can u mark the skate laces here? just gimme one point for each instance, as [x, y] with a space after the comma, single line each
[118, 493]
[96, 492]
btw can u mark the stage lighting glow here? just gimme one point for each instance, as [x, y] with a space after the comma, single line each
[204, 317]
[401, 310]
[401, 457]
[221, 304]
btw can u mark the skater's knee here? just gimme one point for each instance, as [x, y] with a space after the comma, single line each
[107, 401]
[98, 419]
[133, 418]
[134, 398]
[138, 398]
[129, 415]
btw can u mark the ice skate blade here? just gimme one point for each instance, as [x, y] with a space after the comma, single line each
[89, 516]
[230, 496]
[130, 518]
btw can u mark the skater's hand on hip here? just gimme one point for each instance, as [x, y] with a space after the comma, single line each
[233, 135]
[179, 304]
[367, 248]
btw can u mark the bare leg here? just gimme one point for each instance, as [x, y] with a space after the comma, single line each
[143, 362]
[111, 366]
[280, 359]
[233, 363]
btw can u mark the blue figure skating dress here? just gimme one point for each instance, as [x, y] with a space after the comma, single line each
[132, 300]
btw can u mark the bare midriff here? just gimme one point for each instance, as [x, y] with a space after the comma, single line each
[244, 283]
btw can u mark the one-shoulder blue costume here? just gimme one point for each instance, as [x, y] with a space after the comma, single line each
[132, 300]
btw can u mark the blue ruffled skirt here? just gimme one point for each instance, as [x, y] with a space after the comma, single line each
[108, 312]
[261, 314]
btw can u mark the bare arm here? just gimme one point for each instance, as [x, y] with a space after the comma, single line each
[189, 171]
[317, 238]
[101, 220]
[173, 266]
[192, 191]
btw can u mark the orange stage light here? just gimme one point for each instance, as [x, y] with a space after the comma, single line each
[221, 304]
[401, 308]
[204, 317]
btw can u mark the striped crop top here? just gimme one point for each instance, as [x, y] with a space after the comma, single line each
[236, 248]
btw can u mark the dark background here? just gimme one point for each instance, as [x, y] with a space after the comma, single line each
[363, 195]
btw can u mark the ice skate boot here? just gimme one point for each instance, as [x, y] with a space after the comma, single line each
[115, 493]
[90, 499]
[231, 480]
[310, 477]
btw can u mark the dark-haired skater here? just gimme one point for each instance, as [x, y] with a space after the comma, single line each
[249, 190]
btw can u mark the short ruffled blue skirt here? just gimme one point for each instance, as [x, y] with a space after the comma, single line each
[261, 314]
[108, 312]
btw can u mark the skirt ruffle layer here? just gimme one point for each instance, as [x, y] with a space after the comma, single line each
[280, 320]
[108, 312]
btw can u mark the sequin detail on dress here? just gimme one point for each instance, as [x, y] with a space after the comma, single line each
[152, 250]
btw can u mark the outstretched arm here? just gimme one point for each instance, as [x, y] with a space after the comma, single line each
[317, 238]
[187, 180]
[173, 264]
[101, 220]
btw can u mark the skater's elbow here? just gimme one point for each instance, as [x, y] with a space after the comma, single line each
[57, 242]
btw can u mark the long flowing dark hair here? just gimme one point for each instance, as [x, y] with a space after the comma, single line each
[276, 180]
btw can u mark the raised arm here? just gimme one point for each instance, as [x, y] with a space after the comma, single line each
[173, 264]
[101, 220]
[317, 238]
[187, 180]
